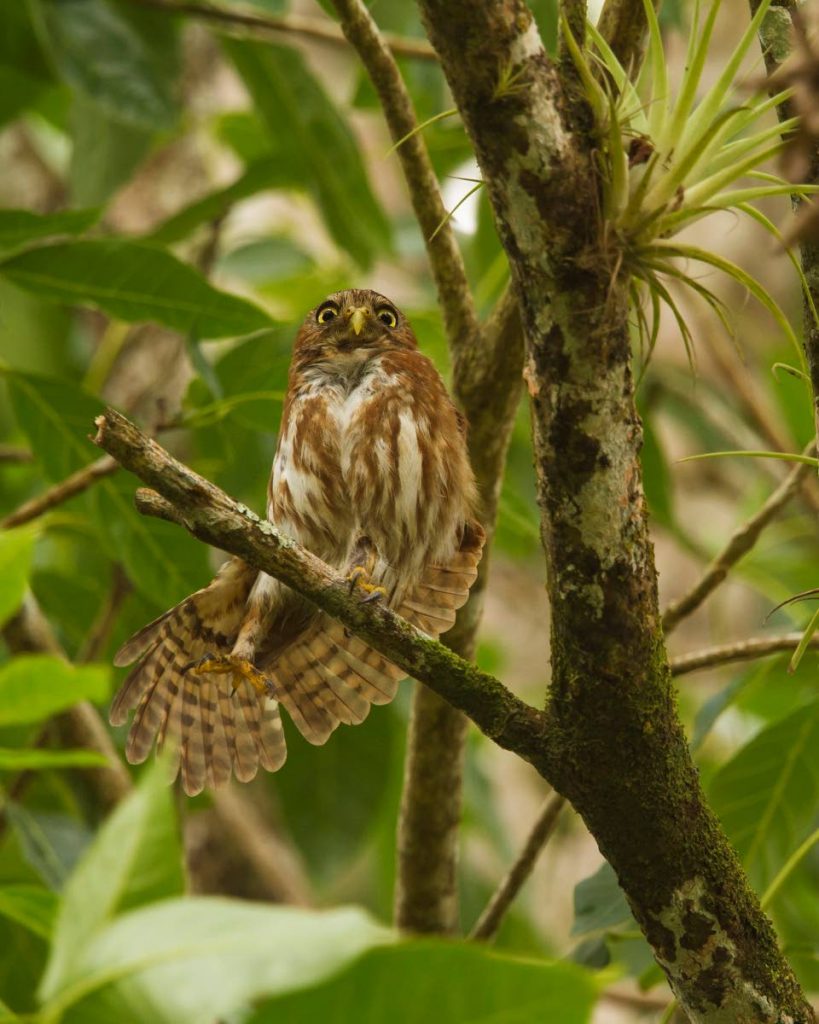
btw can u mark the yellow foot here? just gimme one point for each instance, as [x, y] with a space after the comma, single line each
[238, 668]
[359, 577]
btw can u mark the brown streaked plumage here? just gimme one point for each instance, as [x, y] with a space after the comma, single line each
[371, 474]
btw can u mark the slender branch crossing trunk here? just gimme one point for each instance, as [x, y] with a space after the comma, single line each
[615, 747]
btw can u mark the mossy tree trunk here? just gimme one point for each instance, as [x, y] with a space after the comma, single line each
[615, 746]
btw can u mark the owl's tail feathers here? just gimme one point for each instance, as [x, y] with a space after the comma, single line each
[327, 677]
[208, 726]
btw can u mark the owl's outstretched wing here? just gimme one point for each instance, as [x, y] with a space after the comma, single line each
[327, 677]
[207, 724]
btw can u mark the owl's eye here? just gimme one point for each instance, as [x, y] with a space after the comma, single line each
[327, 313]
[387, 316]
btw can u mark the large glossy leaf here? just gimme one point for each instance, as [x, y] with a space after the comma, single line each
[100, 54]
[767, 794]
[197, 960]
[57, 417]
[135, 859]
[51, 843]
[29, 905]
[417, 982]
[134, 282]
[37, 686]
[16, 552]
[19, 227]
[105, 152]
[599, 903]
[308, 132]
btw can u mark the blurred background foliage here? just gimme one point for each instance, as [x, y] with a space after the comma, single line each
[174, 197]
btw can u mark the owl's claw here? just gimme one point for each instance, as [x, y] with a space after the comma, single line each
[238, 668]
[359, 576]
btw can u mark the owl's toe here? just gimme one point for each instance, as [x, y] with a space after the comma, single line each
[239, 668]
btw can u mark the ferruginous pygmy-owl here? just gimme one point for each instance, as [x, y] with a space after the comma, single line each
[371, 474]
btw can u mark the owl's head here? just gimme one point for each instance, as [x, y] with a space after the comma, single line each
[353, 321]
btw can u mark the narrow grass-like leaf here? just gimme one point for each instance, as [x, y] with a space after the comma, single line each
[788, 868]
[699, 42]
[31, 906]
[715, 97]
[662, 248]
[808, 460]
[451, 112]
[658, 109]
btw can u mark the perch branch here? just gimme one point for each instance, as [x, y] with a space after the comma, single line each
[740, 544]
[285, 24]
[60, 492]
[211, 516]
[742, 650]
[490, 920]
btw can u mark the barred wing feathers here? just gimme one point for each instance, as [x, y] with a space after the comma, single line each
[209, 727]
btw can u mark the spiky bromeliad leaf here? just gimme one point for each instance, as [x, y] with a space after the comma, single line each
[695, 155]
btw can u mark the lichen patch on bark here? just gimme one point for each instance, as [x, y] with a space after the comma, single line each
[700, 953]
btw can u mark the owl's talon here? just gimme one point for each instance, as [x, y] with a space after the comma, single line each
[375, 593]
[356, 575]
[238, 668]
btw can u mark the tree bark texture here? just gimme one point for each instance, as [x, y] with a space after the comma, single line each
[615, 746]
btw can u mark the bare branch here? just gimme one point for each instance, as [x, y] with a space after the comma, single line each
[444, 255]
[285, 24]
[490, 920]
[740, 544]
[211, 516]
[742, 650]
[60, 493]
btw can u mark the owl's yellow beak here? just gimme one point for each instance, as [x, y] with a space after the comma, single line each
[358, 317]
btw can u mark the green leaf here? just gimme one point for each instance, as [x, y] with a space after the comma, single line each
[134, 282]
[197, 960]
[421, 981]
[767, 794]
[29, 905]
[100, 54]
[37, 686]
[135, 859]
[599, 903]
[13, 760]
[19, 227]
[16, 554]
[313, 139]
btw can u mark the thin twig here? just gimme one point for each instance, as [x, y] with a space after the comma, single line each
[740, 544]
[490, 920]
[275, 861]
[211, 516]
[286, 24]
[60, 492]
[94, 644]
[444, 255]
[12, 453]
[742, 650]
